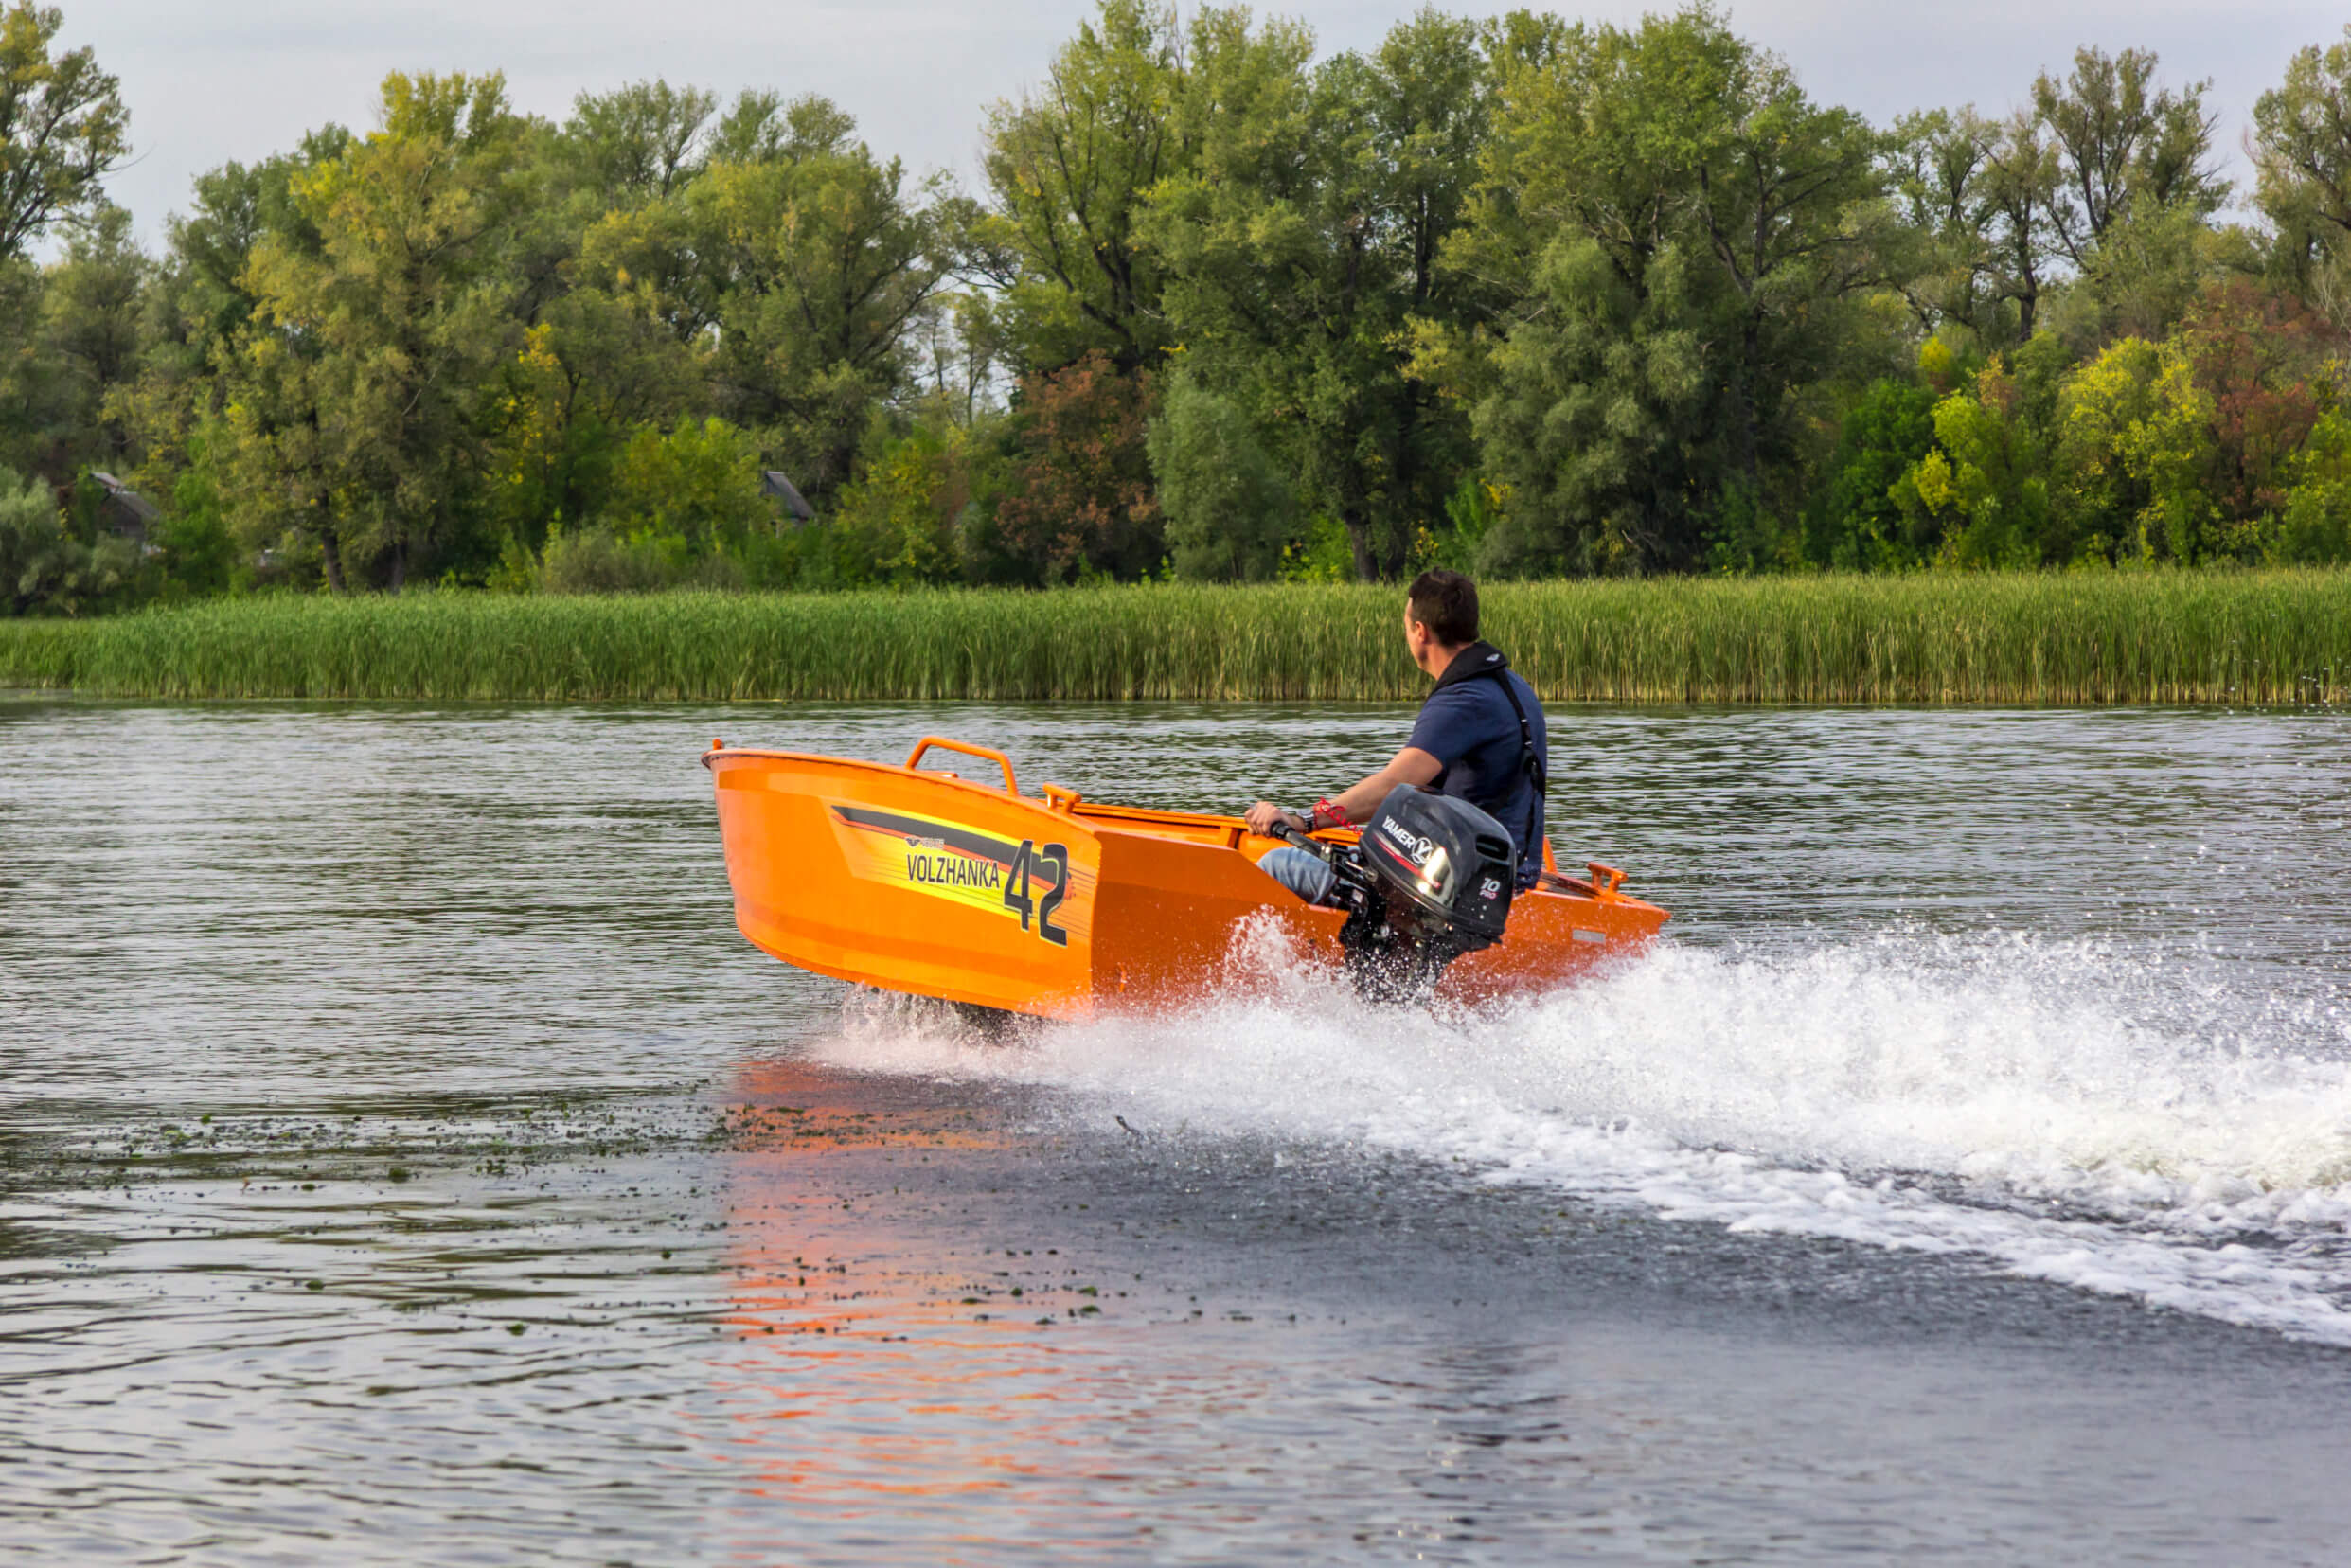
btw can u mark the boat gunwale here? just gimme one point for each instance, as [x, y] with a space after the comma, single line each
[933, 775]
[1114, 816]
[1104, 812]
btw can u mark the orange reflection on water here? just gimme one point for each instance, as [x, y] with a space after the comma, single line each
[884, 1349]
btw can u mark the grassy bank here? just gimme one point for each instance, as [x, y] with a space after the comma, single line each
[2259, 638]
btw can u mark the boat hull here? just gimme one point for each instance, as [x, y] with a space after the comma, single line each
[921, 881]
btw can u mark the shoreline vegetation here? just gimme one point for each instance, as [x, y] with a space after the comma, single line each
[2263, 638]
[1217, 301]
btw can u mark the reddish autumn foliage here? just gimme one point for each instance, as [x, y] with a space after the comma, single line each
[2254, 352]
[1081, 493]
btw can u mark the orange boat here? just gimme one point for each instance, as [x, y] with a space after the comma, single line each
[922, 881]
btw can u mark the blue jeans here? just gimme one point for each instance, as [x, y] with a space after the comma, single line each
[1302, 871]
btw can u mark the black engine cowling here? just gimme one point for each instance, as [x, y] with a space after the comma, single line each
[1444, 858]
[1431, 881]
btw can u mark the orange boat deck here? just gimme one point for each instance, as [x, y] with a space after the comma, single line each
[922, 881]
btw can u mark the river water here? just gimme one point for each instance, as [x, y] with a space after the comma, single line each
[403, 1160]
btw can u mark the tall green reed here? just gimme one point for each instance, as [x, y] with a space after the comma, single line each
[2265, 638]
[42, 652]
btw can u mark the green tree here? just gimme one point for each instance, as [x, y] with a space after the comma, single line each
[637, 144]
[2135, 445]
[1686, 233]
[897, 523]
[1301, 246]
[1069, 167]
[2124, 143]
[597, 360]
[697, 480]
[595, 366]
[30, 376]
[2315, 524]
[1857, 522]
[1981, 497]
[2021, 187]
[95, 327]
[62, 127]
[1431, 86]
[2302, 158]
[2135, 190]
[195, 313]
[1230, 508]
[797, 278]
[48, 568]
[1939, 161]
[1976, 197]
[196, 546]
[619, 151]
[679, 505]
[364, 367]
[961, 345]
[279, 460]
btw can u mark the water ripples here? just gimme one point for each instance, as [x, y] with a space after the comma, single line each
[404, 1160]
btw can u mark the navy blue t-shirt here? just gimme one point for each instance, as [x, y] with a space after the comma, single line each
[1470, 728]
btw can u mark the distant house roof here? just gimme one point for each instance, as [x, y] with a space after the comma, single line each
[134, 507]
[776, 487]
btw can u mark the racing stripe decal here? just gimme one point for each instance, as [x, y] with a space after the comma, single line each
[961, 864]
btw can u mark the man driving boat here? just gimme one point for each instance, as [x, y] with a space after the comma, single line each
[1480, 736]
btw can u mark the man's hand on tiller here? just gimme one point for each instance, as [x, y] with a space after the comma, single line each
[1269, 819]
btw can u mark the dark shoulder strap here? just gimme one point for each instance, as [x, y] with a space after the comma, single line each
[1529, 758]
[1483, 660]
[1476, 661]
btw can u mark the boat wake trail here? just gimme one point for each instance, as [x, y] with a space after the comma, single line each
[2074, 1113]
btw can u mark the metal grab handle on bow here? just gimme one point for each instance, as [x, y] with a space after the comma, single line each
[985, 754]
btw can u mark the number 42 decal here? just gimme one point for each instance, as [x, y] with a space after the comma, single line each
[1016, 892]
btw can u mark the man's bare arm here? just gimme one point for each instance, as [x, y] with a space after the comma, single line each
[1410, 766]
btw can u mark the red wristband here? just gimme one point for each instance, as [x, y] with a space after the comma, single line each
[1328, 813]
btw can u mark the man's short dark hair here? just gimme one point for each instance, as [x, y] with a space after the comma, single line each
[1445, 603]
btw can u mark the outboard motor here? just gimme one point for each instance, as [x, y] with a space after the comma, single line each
[1431, 880]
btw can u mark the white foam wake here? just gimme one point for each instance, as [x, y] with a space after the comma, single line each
[2071, 1112]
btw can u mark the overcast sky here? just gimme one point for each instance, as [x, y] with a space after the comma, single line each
[242, 78]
